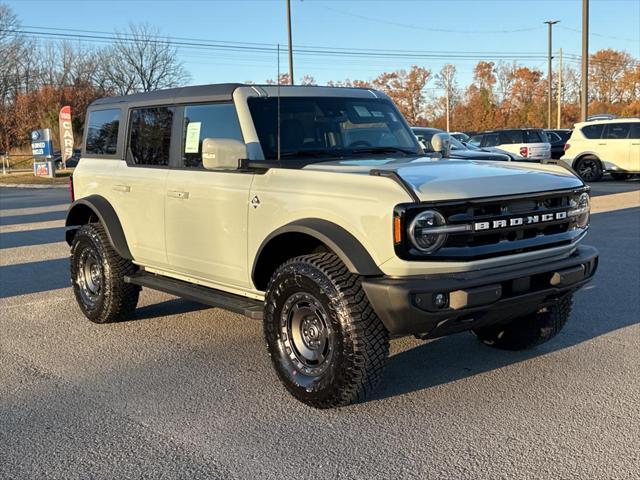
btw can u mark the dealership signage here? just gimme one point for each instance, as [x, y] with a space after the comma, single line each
[66, 134]
[41, 144]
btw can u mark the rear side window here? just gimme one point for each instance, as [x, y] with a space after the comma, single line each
[207, 121]
[150, 136]
[476, 140]
[102, 132]
[535, 136]
[617, 130]
[635, 131]
[510, 137]
[490, 140]
[593, 131]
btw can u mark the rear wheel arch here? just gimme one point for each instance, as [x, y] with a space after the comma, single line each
[308, 236]
[92, 209]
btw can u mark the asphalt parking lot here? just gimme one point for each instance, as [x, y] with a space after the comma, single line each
[184, 391]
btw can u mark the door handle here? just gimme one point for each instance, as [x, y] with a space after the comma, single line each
[122, 188]
[635, 143]
[178, 194]
[602, 144]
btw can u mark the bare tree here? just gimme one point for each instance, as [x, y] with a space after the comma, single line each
[446, 79]
[141, 60]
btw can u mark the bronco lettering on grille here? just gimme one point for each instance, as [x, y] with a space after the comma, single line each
[518, 221]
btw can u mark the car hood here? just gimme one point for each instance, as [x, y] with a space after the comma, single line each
[435, 179]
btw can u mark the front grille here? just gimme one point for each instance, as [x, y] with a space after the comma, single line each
[478, 244]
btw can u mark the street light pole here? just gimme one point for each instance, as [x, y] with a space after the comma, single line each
[551, 23]
[584, 97]
[290, 45]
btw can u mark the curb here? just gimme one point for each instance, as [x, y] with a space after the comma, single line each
[26, 185]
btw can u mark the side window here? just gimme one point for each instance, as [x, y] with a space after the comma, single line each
[533, 136]
[593, 131]
[218, 120]
[150, 136]
[509, 137]
[616, 131]
[490, 140]
[102, 132]
[635, 131]
[476, 140]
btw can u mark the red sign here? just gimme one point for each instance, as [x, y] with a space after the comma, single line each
[66, 133]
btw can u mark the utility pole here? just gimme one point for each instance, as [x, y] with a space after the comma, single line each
[584, 97]
[551, 23]
[290, 45]
[447, 97]
[560, 89]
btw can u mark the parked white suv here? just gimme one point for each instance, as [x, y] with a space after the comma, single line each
[530, 143]
[604, 146]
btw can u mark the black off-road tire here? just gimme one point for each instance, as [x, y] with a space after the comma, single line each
[527, 332]
[620, 176]
[589, 168]
[357, 343]
[110, 299]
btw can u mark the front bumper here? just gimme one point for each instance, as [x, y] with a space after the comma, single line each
[407, 306]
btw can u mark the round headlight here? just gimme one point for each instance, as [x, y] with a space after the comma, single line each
[423, 233]
[581, 210]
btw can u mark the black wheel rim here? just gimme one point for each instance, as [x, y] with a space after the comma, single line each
[589, 169]
[89, 277]
[306, 333]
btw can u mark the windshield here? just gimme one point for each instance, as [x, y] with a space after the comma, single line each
[312, 127]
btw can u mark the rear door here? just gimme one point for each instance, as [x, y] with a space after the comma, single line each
[140, 182]
[617, 151]
[206, 210]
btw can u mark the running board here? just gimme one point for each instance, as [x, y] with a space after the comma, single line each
[197, 293]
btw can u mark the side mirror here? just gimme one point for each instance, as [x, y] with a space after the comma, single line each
[441, 143]
[222, 153]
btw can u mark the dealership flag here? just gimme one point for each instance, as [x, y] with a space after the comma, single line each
[66, 134]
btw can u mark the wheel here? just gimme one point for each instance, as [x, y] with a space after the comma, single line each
[527, 332]
[97, 276]
[620, 176]
[589, 168]
[327, 345]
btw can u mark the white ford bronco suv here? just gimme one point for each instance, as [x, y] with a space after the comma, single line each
[315, 210]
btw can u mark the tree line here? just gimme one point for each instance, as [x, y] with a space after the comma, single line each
[37, 79]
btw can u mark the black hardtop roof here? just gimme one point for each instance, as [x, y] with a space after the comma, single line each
[220, 91]
[213, 92]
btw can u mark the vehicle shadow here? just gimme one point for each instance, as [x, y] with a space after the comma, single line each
[611, 302]
[34, 277]
[27, 238]
[33, 218]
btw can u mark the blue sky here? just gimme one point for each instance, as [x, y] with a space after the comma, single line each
[508, 27]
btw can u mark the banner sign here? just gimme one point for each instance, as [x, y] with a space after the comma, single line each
[42, 169]
[41, 145]
[66, 133]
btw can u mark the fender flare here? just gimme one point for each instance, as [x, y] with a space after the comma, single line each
[104, 211]
[347, 247]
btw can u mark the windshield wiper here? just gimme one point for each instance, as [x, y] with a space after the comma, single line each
[384, 150]
[318, 152]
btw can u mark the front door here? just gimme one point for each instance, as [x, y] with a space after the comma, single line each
[206, 210]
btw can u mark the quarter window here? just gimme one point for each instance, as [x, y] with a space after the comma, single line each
[593, 131]
[102, 132]
[150, 135]
[207, 121]
[617, 130]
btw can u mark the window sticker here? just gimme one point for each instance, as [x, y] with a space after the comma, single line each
[378, 114]
[362, 111]
[192, 142]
